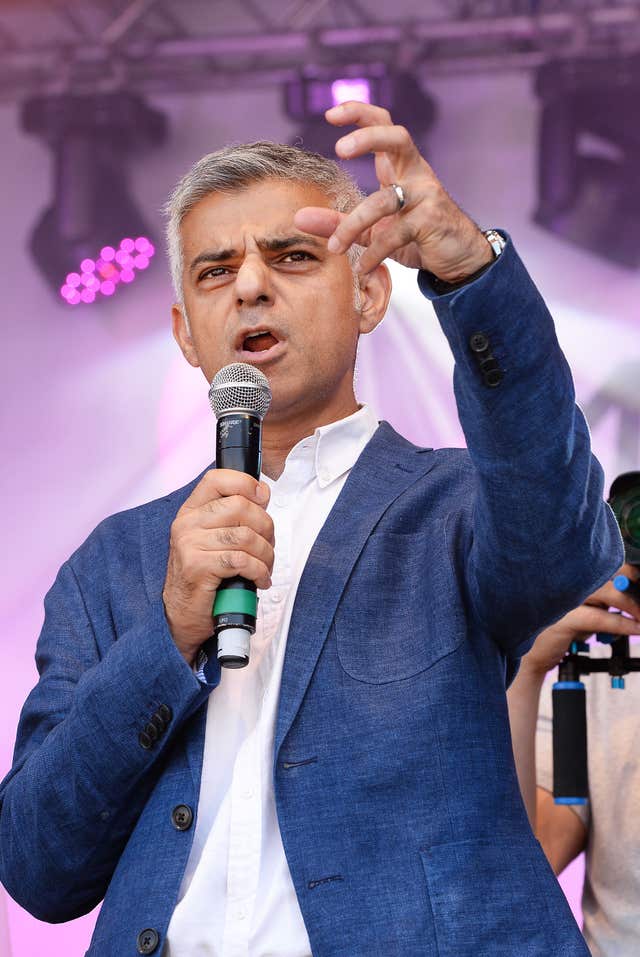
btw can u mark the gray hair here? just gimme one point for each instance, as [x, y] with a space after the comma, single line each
[238, 166]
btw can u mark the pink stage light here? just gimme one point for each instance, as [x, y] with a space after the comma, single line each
[112, 267]
[351, 88]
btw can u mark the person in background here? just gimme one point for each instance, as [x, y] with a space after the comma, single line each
[607, 828]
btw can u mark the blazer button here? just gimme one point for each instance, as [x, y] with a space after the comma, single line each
[165, 712]
[182, 817]
[478, 342]
[493, 378]
[145, 741]
[147, 941]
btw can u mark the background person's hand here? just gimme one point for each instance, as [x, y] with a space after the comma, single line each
[430, 232]
[592, 616]
[222, 530]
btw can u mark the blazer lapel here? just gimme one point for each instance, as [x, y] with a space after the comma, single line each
[388, 465]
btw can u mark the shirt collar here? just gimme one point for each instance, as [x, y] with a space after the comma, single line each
[331, 451]
[338, 445]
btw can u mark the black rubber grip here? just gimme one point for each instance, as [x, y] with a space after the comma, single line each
[570, 775]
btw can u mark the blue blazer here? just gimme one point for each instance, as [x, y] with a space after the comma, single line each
[397, 797]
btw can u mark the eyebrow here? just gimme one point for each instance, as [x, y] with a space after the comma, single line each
[268, 245]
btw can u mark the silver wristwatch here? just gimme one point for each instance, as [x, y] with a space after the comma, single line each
[495, 240]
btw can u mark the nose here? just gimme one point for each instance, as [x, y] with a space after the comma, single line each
[252, 281]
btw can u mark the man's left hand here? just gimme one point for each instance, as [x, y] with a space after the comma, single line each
[428, 232]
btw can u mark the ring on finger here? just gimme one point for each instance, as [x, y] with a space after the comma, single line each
[399, 194]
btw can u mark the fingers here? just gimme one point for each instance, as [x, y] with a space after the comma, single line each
[395, 140]
[385, 242]
[220, 482]
[355, 226]
[352, 112]
[317, 220]
[588, 620]
[610, 597]
[228, 512]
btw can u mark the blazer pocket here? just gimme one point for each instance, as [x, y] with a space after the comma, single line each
[481, 895]
[401, 611]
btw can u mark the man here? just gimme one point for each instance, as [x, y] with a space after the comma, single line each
[607, 828]
[352, 792]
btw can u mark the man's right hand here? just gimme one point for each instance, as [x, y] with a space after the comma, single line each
[222, 530]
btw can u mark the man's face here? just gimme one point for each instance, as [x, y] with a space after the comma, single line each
[258, 290]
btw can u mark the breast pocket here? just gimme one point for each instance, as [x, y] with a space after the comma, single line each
[401, 611]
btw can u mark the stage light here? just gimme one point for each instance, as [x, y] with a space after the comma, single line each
[589, 156]
[308, 97]
[92, 238]
[357, 88]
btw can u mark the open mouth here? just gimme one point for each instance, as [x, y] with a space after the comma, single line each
[259, 342]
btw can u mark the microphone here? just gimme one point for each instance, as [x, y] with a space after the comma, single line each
[240, 398]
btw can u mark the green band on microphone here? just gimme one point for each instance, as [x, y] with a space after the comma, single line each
[239, 601]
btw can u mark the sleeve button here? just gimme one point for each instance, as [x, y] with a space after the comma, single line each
[158, 723]
[165, 712]
[152, 732]
[144, 740]
[478, 342]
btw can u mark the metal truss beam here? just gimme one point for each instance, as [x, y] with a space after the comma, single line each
[143, 45]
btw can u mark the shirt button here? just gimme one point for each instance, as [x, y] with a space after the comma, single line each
[276, 596]
[247, 793]
[279, 501]
[240, 914]
[324, 476]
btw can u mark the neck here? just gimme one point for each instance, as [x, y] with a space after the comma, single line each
[281, 434]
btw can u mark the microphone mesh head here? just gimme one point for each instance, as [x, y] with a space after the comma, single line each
[242, 387]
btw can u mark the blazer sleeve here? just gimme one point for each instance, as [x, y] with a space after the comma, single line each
[81, 776]
[543, 538]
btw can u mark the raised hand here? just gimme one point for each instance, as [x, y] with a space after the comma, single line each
[418, 225]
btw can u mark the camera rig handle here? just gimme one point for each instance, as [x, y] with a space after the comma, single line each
[569, 696]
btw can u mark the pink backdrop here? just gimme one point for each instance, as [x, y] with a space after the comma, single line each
[100, 412]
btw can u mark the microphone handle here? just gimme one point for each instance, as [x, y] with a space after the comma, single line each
[238, 447]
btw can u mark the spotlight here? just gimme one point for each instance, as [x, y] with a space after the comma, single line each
[92, 238]
[589, 156]
[308, 96]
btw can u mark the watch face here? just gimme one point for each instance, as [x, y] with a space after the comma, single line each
[495, 240]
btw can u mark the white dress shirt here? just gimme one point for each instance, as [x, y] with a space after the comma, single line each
[237, 898]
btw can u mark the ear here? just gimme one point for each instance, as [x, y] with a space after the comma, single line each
[182, 334]
[375, 289]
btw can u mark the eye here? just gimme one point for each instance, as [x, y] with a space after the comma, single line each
[297, 256]
[213, 272]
